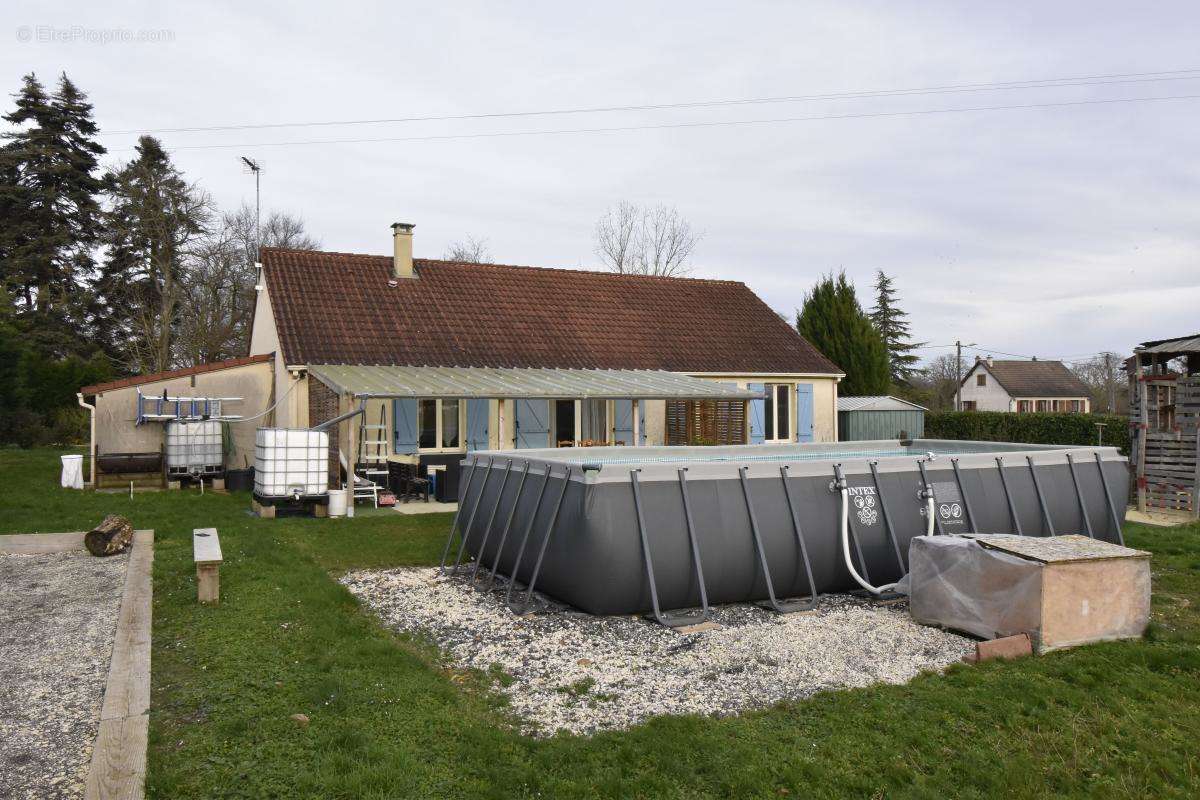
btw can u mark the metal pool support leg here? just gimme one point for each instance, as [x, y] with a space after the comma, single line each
[457, 512]
[1012, 509]
[504, 534]
[887, 518]
[1037, 485]
[1112, 509]
[962, 492]
[693, 539]
[462, 545]
[516, 567]
[813, 597]
[666, 620]
[1087, 523]
[487, 531]
[784, 606]
[537, 566]
[927, 496]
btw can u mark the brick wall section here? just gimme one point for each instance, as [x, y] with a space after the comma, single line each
[322, 406]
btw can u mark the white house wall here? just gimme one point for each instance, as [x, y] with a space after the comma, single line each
[992, 397]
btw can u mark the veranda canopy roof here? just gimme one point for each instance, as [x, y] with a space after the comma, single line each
[489, 382]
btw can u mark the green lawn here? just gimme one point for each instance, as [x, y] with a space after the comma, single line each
[1111, 720]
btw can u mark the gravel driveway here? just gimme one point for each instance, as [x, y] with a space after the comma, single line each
[59, 615]
[575, 672]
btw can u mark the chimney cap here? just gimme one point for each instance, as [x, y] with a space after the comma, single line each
[403, 227]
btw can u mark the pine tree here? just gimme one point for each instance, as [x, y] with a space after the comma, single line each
[892, 324]
[154, 216]
[834, 322]
[49, 213]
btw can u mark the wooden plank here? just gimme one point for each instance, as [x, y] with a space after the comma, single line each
[206, 546]
[127, 692]
[118, 769]
[32, 544]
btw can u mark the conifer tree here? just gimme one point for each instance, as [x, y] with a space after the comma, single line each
[834, 322]
[49, 213]
[892, 324]
[154, 217]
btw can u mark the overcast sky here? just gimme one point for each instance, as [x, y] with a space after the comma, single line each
[1055, 231]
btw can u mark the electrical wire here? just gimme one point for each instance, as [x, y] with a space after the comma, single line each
[684, 125]
[1041, 83]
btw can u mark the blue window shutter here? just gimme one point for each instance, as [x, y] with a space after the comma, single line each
[533, 424]
[623, 421]
[477, 424]
[757, 405]
[804, 412]
[404, 423]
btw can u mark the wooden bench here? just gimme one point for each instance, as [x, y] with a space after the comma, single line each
[206, 550]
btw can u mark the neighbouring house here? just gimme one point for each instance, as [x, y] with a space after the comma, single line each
[448, 357]
[1164, 411]
[1023, 387]
[885, 417]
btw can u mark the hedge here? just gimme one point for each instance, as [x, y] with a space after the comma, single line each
[999, 426]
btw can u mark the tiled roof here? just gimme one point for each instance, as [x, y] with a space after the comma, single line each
[1035, 378]
[138, 380]
[337, 308]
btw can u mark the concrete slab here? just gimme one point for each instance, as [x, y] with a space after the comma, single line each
[1159, 519]
[418, 507]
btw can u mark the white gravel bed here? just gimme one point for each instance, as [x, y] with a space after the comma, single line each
[579, 673]
[59, 615]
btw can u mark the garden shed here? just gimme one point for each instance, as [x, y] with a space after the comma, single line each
[885, 417]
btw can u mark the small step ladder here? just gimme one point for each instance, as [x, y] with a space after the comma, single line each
[374, 449]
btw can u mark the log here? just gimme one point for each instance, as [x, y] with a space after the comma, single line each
[112, 536]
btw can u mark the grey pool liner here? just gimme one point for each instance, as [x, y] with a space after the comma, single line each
[627, 530]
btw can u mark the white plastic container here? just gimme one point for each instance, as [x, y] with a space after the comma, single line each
[337, 504]
[72, 472]
[290, 462]
[194, 448]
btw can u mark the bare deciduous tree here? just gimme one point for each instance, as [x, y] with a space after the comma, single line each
[645, 241]
[1103, 376]
[218, 283]
[469, 251]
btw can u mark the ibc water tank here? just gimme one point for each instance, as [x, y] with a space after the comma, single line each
[195, 448]
[290, 462]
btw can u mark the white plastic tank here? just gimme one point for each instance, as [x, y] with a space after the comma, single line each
[195, 448]
[290, 462]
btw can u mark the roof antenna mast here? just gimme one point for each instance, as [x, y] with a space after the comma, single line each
[254, 167]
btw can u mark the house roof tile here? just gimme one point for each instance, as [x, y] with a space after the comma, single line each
[184, 372]
[338, 308]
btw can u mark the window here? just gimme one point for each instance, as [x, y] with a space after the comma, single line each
[981, 379]
[777, 412]
[1044, 406]
[968, 405]
[564, 422]
[439, 423]
[593, 420]
[1076, 406]
[1024, 406]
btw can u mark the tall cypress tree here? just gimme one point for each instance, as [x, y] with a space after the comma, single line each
[834, 322]
[892, 324]
[154, 215]
[49, 213]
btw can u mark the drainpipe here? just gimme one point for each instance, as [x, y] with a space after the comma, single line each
[91, 437]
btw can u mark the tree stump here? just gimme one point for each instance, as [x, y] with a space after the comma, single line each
[112, 536]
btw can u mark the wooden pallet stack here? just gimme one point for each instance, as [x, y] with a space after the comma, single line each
[1165, 417]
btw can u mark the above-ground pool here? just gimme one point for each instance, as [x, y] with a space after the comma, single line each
[621, 530]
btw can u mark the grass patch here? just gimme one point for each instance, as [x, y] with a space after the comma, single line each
[389, 720]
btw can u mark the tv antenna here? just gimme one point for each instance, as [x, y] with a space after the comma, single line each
[254, 167]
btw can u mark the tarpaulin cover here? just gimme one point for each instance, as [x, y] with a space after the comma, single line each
[957, 583]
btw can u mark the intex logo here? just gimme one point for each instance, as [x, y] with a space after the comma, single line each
[864, 502]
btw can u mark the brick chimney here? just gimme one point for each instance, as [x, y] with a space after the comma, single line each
[402, 260]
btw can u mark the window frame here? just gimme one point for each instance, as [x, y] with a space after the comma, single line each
[771, 415]
[981, 379]
[438, 425]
